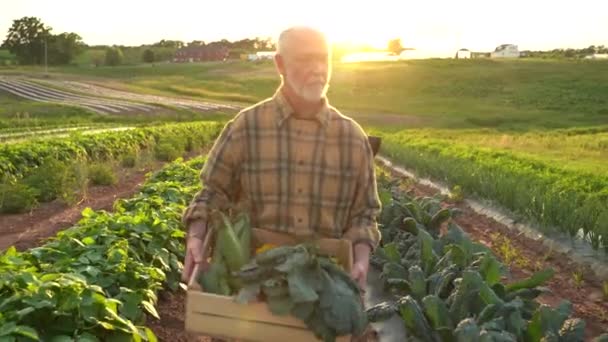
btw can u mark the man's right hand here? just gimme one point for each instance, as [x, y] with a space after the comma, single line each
[195, 255]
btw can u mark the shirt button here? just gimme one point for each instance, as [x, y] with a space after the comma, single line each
[301, 162]
[299, 220]
[299, 190]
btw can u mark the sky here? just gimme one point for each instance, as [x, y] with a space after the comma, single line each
[435, 28]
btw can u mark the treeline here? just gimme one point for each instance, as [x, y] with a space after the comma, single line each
[567, 53]
[31, 42]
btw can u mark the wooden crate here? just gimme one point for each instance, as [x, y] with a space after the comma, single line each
[220, 316]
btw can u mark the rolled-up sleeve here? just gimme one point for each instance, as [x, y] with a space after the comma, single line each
[219, 176]
[366, 205]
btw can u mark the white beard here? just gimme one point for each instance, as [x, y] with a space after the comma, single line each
[311, 93]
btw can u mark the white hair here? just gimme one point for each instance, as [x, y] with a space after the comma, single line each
[286, 35]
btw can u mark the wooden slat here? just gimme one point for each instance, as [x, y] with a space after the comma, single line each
[208, 303]
[231, 328]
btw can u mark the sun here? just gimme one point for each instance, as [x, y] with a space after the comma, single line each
[377, 40]
[355, 25]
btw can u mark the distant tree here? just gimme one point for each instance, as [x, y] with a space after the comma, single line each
[196, 43]
[569, 53]
[26, 38]
[177, 44]
[395, 47]
[97, 57]
[114, 56]
[148, 56]
[63, 48]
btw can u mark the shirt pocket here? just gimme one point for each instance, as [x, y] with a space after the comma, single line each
[339, 179]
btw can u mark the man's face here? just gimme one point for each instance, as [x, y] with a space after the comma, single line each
[306, 66]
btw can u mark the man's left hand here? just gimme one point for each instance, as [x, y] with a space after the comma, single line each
[359, 273]
[362, 252]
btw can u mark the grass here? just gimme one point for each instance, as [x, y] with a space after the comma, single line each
[6, 58]
[545, 191]
[575, 150]
[507, 95]
[14, 107]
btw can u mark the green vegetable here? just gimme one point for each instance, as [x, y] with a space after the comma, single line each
[229, 244]
[439, 218]
[415, 210]
[467, 330]
[99, 279]
[535, 280]
[215, 279]
[402, 286]
[393, 270]
[427, 254]
[572, 330]
[414, 319]
[380, 312]
[445, 286]
[465, 295]
[457, 281]
[437, 312]
[417, 282]
[242, 229]
[409, 225]
[274, 256]
[488, 313]
[312, 288]
[392, 252]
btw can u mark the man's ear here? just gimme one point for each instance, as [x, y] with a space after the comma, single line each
[279, 61]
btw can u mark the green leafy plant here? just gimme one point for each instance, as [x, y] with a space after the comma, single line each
[553, 196]
[129, 160]
[578, 278]
[98, 280]
[17, 198]
[449, 288]
[53, 179]
[456, 194]
[166, 151]
[102, 174]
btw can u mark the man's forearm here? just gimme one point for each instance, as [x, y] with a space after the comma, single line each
[197, 229]
[362, 252]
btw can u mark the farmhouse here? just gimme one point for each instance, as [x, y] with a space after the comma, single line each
[506, 51]
[201, 54]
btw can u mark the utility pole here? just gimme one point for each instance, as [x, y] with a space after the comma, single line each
[46, 67]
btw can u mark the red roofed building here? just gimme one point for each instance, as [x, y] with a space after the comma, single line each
[201, 54]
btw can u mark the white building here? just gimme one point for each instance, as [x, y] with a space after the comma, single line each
[506, 51]
[463, 54]
[597, 56]
[260, 55]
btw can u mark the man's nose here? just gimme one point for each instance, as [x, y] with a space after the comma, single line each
[319, 69]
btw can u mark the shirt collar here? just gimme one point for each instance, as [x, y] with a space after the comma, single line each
[285, 110]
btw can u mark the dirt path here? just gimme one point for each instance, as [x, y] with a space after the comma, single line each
[30, 229]
[170, 328]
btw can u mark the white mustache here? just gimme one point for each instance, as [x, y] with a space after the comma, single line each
[316, 83]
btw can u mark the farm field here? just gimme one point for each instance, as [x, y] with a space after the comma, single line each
[531, 136]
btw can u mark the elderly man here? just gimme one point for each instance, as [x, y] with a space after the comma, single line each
[303, 167]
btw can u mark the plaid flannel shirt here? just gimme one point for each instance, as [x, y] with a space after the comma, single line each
[301, 177]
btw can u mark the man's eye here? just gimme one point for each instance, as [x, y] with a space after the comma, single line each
[305, 59]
